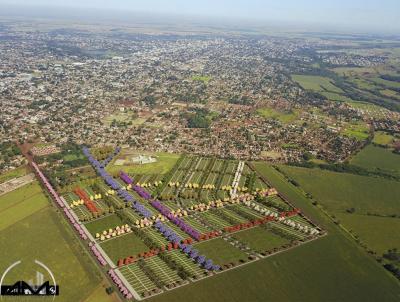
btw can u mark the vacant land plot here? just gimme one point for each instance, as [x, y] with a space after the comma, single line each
[18, 172]
[204, 79]
[21, 203]
[283, 116]
[372, 157]
[359, 131]
[220, 251]
[383, 138]
[123, 246]
[260, 239]
[338, 192]
[316, 83]
[102, 224]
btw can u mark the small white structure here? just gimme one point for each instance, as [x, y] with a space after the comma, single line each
[143, 159]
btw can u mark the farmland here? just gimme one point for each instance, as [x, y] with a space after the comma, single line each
[21, 203]
[377, 158]
[316, 83]
[338, 192]
[39, 233]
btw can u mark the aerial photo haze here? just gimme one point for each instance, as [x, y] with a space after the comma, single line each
[200, 151]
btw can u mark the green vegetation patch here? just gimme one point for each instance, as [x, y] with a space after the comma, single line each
[359, 131]
[372, 157]
[338, 192]
[102, 224]
[260, 239]
[284, 117]
[21, 203]
[124, 246]
[316, 83]
[220, 251]
[46, 237]
[200, 78]
[383, 138]
[18, 172]
[377, 232]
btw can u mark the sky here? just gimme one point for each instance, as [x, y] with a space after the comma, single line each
[370, 15]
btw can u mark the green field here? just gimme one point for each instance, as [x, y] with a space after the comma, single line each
[376, 232]
[316, 83]
[284, 117]
[124, 246]
[331, 96]
[260, 239]
[386, 83]
[165, 162]
[102, 224]
[377, 158]
[21, 203]
[41, 236]
[338, 192]
[124, 117]
[220, 251]
[20, 171]
[359, 131]
[383, 138]
[204, 79]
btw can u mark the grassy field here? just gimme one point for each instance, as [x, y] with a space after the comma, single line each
[360, 130]
[165, 162]
[220, 251]
[383, 138]
[284, 117]
[372, 157]
[20, 171]
[204, 79]
[376, 232]
[103, 224]
[124, 117]
[316, 83]
[260, 239]
[41, 236]
[100, 295]
[338, 192]
[124, 246]
[21, 203]
[336, 97]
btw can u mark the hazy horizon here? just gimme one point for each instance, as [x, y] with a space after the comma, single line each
[358, 16]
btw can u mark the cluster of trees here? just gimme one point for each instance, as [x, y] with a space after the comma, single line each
[391, 78]
[392, 255]
[8, 150]
[343, 168]
[198, 120]
[243, 100]
[150, 101]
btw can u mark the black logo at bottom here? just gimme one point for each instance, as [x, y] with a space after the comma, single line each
[21, 288]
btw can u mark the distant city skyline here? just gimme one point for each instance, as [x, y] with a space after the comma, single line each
[367, 15]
